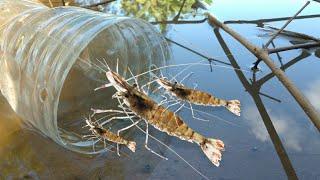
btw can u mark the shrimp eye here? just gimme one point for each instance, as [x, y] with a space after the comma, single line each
[134, 85]
[126, 95]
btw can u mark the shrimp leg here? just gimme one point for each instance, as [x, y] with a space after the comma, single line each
[193, 115]
[125, 128]
[99, 111]
[113, 118]
[146, 142]
[180, 107]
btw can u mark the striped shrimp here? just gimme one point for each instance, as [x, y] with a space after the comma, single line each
[198, 97]
[161, 118]
[104, 134]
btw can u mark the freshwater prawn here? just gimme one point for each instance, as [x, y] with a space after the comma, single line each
[197, 97]
[161, 117]
[104, 134]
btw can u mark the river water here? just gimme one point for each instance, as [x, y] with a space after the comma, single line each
[272, 139]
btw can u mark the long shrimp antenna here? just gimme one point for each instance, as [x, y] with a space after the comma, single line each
[187, 64]
[163, 67]
[214, 116]
[117, 66]
[135, 78]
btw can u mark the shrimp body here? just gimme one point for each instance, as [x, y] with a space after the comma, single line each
[163, 119]
[105, 134]
[198, 97]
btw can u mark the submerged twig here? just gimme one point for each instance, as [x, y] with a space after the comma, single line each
[264, 79]
[277, 53]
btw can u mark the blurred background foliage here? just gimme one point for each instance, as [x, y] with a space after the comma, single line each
[155, 10]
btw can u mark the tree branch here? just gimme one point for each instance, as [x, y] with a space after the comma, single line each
[259, 22]
[286, 82]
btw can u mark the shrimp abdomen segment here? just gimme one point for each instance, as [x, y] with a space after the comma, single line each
[168, 122]
[203, 98]
[114, 138]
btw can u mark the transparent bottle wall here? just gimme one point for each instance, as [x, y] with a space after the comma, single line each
[52, 59]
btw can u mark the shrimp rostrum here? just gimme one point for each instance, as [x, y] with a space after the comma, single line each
[104, 134]
[162, 118]
[198, 97]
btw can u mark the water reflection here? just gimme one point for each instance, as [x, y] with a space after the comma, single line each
[286, 127]
[158, 12]
[312, 93]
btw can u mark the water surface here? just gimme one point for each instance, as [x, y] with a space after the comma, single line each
[273, 138]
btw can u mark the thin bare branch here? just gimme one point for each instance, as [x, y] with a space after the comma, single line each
[180, 10]
[180, 22]
[286, 24]
[260, 22]
[97, 4]
[197, 53]
[298, 46]
[267, 77]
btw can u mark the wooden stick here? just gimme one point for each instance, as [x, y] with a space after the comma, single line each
[261, 21]
[180, 22]
[264, 79]
[286, 24]
[298, 46]
[263, 54]
[278, 32]
[296, 34]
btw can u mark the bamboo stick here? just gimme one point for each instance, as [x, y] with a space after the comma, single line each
[263, 55]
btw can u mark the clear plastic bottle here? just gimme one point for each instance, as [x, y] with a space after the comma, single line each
[52, 59]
